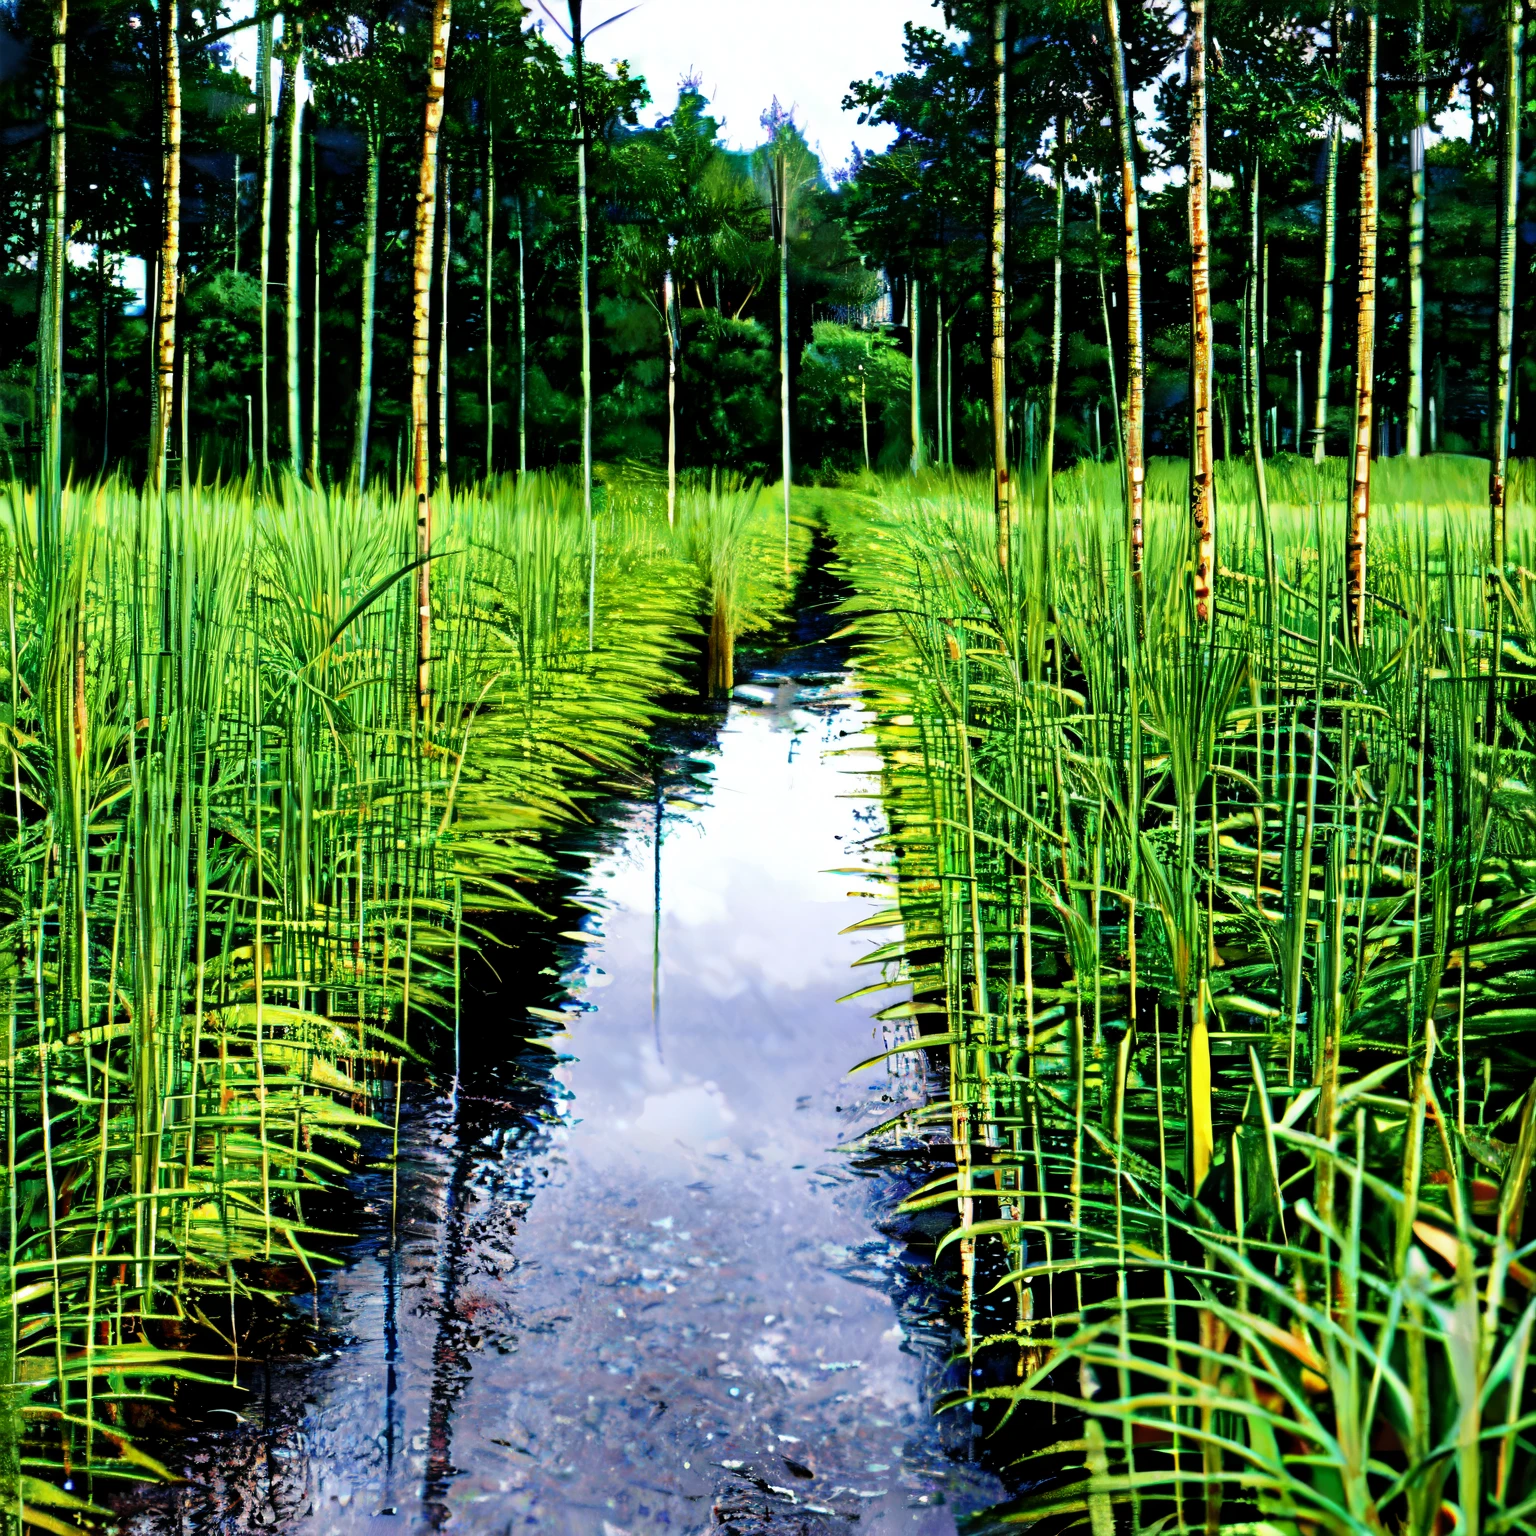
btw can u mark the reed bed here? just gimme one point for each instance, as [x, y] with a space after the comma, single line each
[239, 866]
[1221, 942]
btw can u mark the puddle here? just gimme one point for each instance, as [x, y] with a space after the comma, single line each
[661, 1301]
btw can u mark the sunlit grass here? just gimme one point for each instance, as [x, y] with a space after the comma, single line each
[239, 868]
[1224, 937]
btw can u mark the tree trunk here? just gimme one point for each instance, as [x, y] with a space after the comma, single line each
[667, 303]
[577, 42]
[293, 120]
[1109, 337]
[784, 468]
[1300, 408]
[51, 341]
[104, 381]
[314, 311]
[1414, 445]
[1202, 470]
[914, 299]
[442, 323]
[1063, 132]
[186, 430]
[264, 215]
[1325, 307]
[152, 356]
[362, 419]
[1135, 356]
[938, 374]
[1001, 490]
[170, 244]
[1504, 321]
[522, 348]
[864, 416]
[488, 239]
[1244, 336]
[234, 222]
[1365, 352]
[1257, 336]
[421, 345]
[949, 392]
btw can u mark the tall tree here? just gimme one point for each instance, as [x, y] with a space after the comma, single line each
[293, 127]
[780, 202]
[1001, 490]
[1255, 362]
[170, 241]
[578, 40]
[488, 255]
[264, 108]
[362, 418]
[421, 343]
[1417, 200]
[1512, 34]
[914, 316]
[522, 341]
[940, 443]
[1325, 301]
[314, 308]
[1365, 350]
[786, 170]
[1109, 334]
[1135, 358]
[669, 318]
[55, 290]
[1202, 476]
[445, 268]
[361, 76]
[1063, 134]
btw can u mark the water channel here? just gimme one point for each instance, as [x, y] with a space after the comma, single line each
[638, 1288]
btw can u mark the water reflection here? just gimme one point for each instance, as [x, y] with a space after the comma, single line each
[662, 1303]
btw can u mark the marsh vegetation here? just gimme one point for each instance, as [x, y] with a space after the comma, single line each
[403, 436]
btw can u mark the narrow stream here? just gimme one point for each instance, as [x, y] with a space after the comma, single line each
[660, 1300]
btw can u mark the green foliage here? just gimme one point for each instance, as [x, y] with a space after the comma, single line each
[727, 411]
[841, 368]
[1220, 940]
[239, 872]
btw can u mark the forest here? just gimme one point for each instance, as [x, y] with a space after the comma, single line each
[307, 183]
[437, 459]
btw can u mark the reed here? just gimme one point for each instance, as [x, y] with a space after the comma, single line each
[1221, 950]
[238, 869]
[745, 556]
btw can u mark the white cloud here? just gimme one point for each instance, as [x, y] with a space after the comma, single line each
[805, 52]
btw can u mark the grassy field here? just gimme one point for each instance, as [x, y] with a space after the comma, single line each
[240, 865]
[1222, 946]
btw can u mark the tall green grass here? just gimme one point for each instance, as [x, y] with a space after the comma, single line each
[239, 867]
[1222, 940]
[745, 561]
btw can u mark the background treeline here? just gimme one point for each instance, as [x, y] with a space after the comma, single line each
[1281, 78]
[1285, 83]
[507, 253]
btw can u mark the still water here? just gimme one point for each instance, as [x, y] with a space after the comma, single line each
[658, 1297]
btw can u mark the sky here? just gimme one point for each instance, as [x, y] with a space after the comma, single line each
[746, 52]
